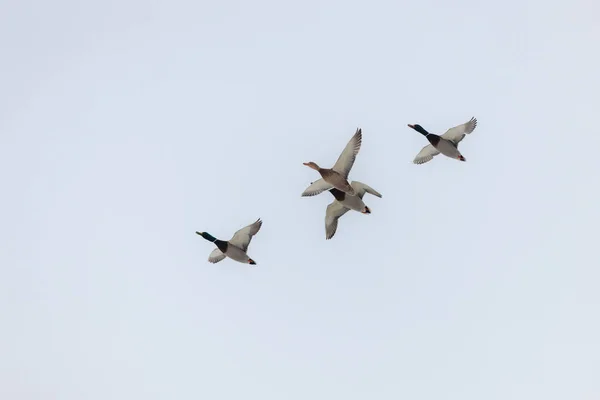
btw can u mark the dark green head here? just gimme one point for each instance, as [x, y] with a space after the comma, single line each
[207, 236]
[419, 129]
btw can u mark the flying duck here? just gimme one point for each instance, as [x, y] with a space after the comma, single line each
[236, 248]
[343, 203]
[337, 176]
[447, 144]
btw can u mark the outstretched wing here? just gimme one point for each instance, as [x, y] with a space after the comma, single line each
[216, 256]
[362, 188]
[334, 211]
[426, 154]
[456, 134]
[242, 237]
[316, 187]
[344, 163]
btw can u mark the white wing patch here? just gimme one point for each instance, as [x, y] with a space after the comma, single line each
[426, 154]
[316, 187]
[334, 211]
[216, 256]
[345, 161]
[242, 237]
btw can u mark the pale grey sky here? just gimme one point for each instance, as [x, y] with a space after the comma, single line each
[127, 125]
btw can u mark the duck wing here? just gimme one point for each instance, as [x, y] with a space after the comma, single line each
[242, 237]
[316, 187]
[456, 134]
[426, 154]
[345, 161]
[334, 211]
[216, 256]
[362, 188]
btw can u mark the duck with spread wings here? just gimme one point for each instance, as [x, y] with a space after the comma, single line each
[235, 248]
[344, 203]
[447, 144]
[337, 176]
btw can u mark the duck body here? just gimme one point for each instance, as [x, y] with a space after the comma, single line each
[355, 203]
[337, 176]
[334, 179]
[344, 203]
[234, 252]
[446, 147]
[446, 144]
[236, 248]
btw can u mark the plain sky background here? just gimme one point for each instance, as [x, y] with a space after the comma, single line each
[127, 125]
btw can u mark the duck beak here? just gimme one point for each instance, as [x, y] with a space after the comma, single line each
[411, 126]
[199, 233]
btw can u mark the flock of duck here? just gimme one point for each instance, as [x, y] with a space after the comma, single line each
[347, 195]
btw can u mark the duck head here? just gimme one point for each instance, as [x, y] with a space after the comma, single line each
[367, 210]
[419, 129]
[312, 165]
[207, 236]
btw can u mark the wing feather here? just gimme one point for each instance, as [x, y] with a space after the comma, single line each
[316, 187]
[345, 161]
[334, 211]
[242, 237]
[362, 188]
[215, 256]
[426, 154]
[456, 134]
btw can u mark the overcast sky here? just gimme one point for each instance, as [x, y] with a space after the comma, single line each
[127, 125]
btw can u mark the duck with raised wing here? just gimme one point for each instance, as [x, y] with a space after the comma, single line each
[337, 176]
[236, 248]
[343, 203]
[447, 144]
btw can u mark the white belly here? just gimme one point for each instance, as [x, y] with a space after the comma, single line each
[354, 203]
[237, 254]
[448, 149]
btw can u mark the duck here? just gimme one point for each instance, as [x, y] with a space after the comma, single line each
[337, 176]
[447, 144]
[343, 203]
[235, 248]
